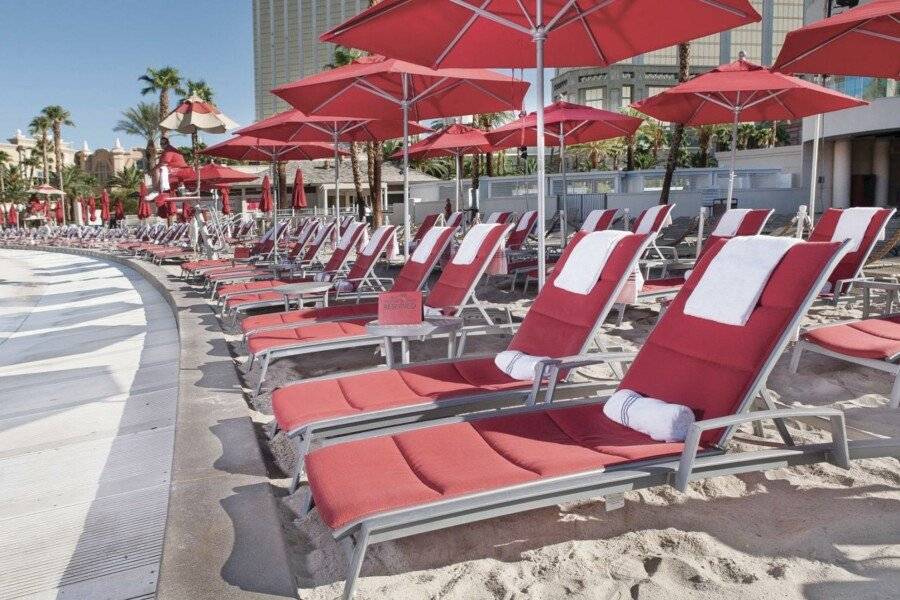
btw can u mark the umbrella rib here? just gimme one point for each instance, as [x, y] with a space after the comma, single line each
[715, 101]
[883, 36]
[769, 96]
[363, 19]
[830, 40]
[703, 102]
[589, 33]
[725, 7]
[462, 31]
[431, 89]
[492, 17]
[525, 13]
[785, 107]
[557, 22]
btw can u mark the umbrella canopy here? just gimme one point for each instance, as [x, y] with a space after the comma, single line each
[193, 115]
[104, 206]
[12, 217]
[742, 91]
[565, 122]
[260, 149]
[58, 214]
[861, 41]
[45, 189]
[143, 211]
[534, 33]
[265, 200]
[212, 175]
[225, 192]
[91, 208]
[295, 126]
[298, 198]
[119, 209]
[187, 211]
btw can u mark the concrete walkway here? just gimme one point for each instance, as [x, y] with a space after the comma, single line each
[88, 393]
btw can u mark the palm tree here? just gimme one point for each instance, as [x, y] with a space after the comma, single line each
[654, 133]
[40, 127]
[78, 182]
[684, 59]
[31, 162]
[58, 116]
[342, 57]
[162, 81]
[200, 89]
[127, 180]
[4, 158]
[142, 120]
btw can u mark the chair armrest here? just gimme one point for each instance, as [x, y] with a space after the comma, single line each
[841, 451]
[550, 369]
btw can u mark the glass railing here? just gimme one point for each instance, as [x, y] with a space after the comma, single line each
[867, 88]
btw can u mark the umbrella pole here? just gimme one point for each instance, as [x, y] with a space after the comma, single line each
[565, 186]
[734, 128]
[337, 177]
[458, 179]
[406, 225]
[540, 35]
[814, 173]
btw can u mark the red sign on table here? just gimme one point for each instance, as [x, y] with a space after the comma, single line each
[399, 308]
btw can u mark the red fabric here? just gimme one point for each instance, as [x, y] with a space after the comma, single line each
[412, 275]
[60, 216]
[606, 219]
[518, 236]
[657, 224]
[225, 192]
[415, 467]
[298, 197]
[143, 205]
[292, 126]
[851, 264]
[456, 281]
[338, 91]
[752, 224]
[310, 315]
[843, 44]
[187, 211]
[788, 97]
[878, 339]
[449, 141]
[104, 206]
[210, 176]
[91, 208]
[265, 201]
[579, 124]
[260, 149]
[449, 35]
[119, 210]
[427, 223]
[710, 366]
[172, 158]
[12, 217]
[313, 332]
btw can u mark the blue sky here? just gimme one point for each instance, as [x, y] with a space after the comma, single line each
[87, 56]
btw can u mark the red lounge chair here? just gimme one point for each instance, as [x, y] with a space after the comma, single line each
[480, 466]
[454, 220]
[411, 278]
[262, 247]
[524, 227]
[360, 277]
[451, 294]
[873, 343]
[427, 223]
[600, 219]
[560, 323]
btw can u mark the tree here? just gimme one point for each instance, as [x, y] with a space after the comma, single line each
[143, 121]
[198, 88]
[684, 59]
[343, 57]
[40, 127]
[58, 117]
[78, 182]
[162, 81]
[653, 135]
[4, 158]
[127, 180]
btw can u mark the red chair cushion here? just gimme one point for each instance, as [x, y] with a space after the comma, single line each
[878, 339]
[315, 332]
[310, 315]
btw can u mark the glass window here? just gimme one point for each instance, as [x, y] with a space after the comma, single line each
[627, 95]
[593, 97]
[653, 90]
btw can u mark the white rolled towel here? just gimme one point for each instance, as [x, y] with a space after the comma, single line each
[518, 365]
[662, 421]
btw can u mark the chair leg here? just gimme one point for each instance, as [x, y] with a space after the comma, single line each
[795, 357]
[895, 393]
[779, 423]
[262, 375]
[356, 560]
[301, 447]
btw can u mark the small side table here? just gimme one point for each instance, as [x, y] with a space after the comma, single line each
[298, 290]
[428, 327]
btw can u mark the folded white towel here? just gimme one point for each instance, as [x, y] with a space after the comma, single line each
[426, 244]
[525, 220]
[735, 278]
[662, 421]
[472, 243]
[348, 236]
[585, 264]
[375, 240]
[454, 219]
[646, 223]
[852, 225]
[164, 183]
[730, 222]
[518, 365]
[590, 223]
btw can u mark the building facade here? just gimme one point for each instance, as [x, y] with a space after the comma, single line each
[286, 44]
[103, 164]
[859, 155]
[617, 86]
[19, 148]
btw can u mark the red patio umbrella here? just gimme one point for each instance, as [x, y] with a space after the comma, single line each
[455, 140]
[119, 209]
[59, 214]
[212, 175]
[742, 92]
[298, 198]
[91, 208]
[565, 123]
[12, 217]
[260, 149]
[379, 87]
[104, 206]
[861, 41]
[265, 200]
[225, 192]
[143, 211]
[294, 126]
[187, 211]
[534, 33]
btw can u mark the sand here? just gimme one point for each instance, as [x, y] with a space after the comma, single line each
[809, 532]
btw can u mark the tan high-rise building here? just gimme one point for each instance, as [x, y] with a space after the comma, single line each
[286, 43]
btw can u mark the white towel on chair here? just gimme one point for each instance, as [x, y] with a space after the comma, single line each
[525, 221]
[426, 244]
[662, 421]
[471, 244]
[852, 225]
[493, 218]
[348, 236]
[590, 223]
[730, 222]
[735, 278]
[518, 365]
[585, 264]
[649, 218]
[375, 240]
